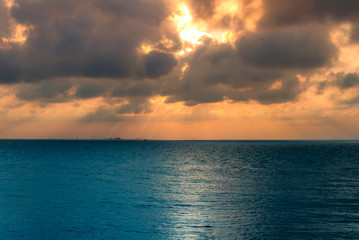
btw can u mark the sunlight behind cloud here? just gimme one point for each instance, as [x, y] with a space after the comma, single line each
[8, 3]
[220, 28]
[255, 12]
[146, 48]
[186, 28]
[18, 31]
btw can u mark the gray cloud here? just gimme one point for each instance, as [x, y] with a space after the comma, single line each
[80, 38]
[296, 47]
[55, 90]
[105, 114]
[353, 101]
[289, 12]
[158, 64]
[37, 12]
[9, 68]
[135, 89]
[216, 72]
[321, 87]
[93, 47]
[101, 115]
[89, 90]
[135, 106]
[341, 80]
[66, 89]
[355, 32]
[347, 80]
[153, 12]
[344, 82]
[4, 21]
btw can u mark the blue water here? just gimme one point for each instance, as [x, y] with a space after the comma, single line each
[179, 190]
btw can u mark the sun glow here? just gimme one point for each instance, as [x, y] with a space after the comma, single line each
[192, 31]
[8, 3]
[146, 48]
[193, 36]
[255, 12]
[18, 31]
[18, 37]
[188, 32]
[229, 8]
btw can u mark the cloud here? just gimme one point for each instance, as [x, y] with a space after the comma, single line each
[158, 64]
[153, 12]
[55, 90]
[135, 106]
[130, 88]
[118, 114]
[355, 32]
[37, 12]
[353, 101]
[67, 89]
[9, 68]
[89, 89]
[348, 85]
[203, 9]
[296, 47]
[291, 12]
[94, 48]
[216, 72]
[80, 38]
[4, 21]
[347, 80]
[101, 115]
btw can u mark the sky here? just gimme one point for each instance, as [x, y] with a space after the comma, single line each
[179, 69]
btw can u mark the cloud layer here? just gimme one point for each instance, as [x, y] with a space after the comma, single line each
[129, 51]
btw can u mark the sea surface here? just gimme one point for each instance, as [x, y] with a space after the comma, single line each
[179, 189]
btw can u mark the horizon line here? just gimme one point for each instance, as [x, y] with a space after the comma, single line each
[147, 139]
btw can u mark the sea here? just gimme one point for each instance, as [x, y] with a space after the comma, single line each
[103, 189]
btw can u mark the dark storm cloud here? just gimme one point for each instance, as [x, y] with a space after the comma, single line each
[288, 12]
[299, 47]
[216, 72]
[80, 38]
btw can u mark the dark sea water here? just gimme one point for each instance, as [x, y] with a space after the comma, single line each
[179, 189]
